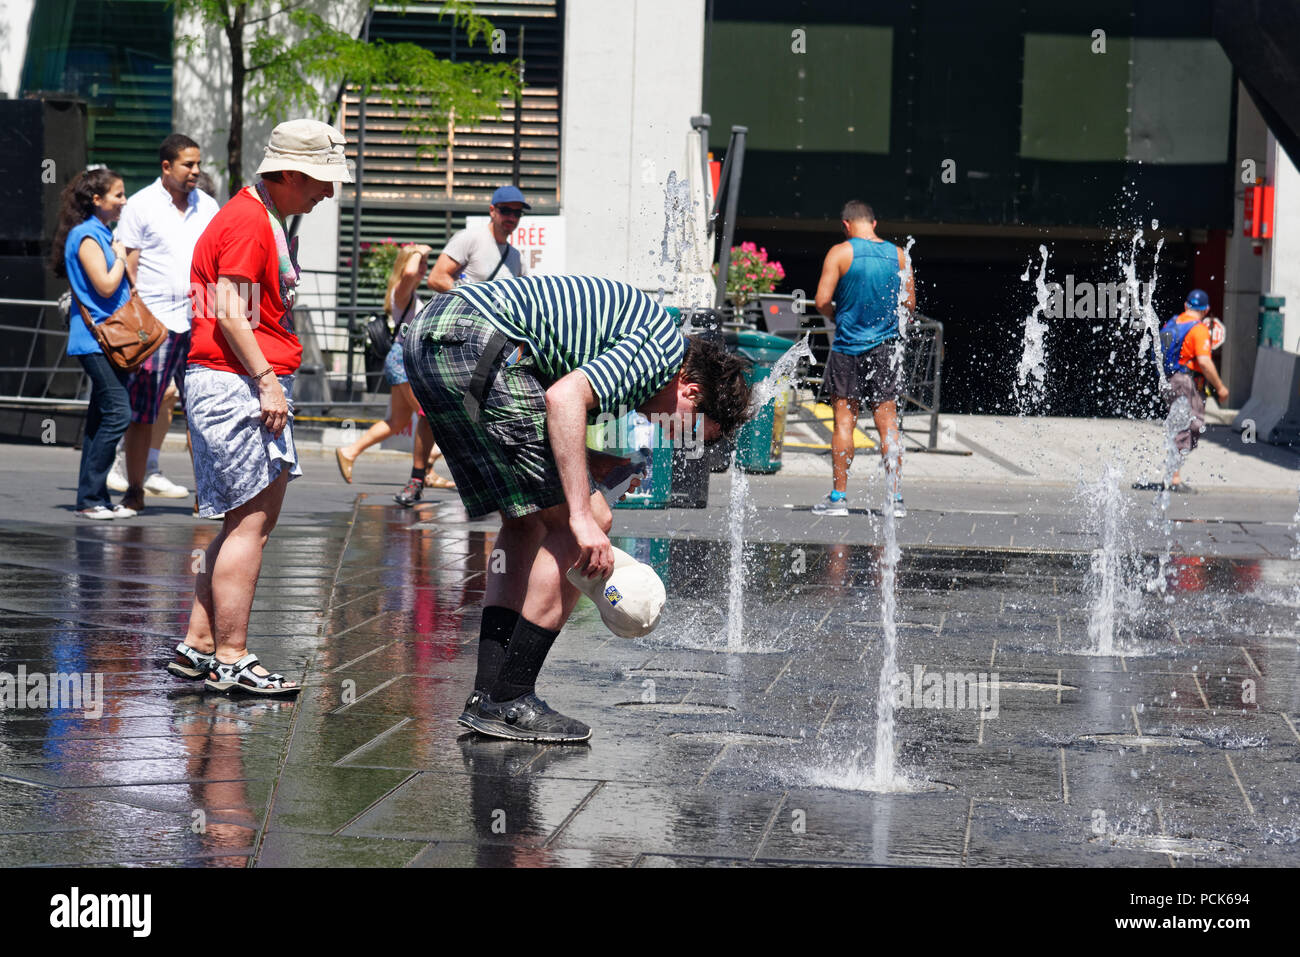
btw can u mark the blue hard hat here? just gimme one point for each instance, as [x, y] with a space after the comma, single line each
[509, 194]
[1197, 299]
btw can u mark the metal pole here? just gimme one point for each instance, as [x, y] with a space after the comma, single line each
[938, 375]
[723, 176]
[31, 353]
[736, 162]
[356, 209]
[701, 125]
[519, 111]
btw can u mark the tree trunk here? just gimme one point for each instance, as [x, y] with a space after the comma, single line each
[235, 142]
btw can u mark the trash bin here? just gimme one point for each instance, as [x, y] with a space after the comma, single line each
[634, 434]
[655, 552]
[759, 442]
[690, 486]
[1271, 321]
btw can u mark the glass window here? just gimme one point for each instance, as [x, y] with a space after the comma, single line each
[1149, 99]
[835, 97]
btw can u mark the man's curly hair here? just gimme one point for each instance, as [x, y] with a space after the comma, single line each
[721, 376]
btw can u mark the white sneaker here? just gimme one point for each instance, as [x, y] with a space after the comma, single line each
[121, 511]
[117, 474]
[160, 485]
[97, 514]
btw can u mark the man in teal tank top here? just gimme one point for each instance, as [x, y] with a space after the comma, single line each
[859, 290]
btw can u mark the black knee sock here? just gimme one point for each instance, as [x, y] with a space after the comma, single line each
[493, 639]
[529, 646]
[418, 474]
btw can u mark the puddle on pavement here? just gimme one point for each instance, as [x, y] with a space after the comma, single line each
[1120, 740]
[669, 707]
[673, 673]
[960, 611]
[732, 737]
[864, 779]
[1161, 844]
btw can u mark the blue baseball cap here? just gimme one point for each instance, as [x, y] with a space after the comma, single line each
[509, 194]
[1197, 299]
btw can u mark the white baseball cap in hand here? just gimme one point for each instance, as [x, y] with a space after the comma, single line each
[629, 600]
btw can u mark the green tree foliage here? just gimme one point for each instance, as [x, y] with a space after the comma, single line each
[283, 54]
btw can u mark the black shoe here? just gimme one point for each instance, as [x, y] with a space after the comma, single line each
[473, 712]
[526, 718]
[409, 495]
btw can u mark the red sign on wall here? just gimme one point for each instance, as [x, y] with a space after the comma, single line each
[1258, 212]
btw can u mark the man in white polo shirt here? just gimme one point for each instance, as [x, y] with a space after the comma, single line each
[159, 227]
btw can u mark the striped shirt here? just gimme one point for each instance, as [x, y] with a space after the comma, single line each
[625, 343]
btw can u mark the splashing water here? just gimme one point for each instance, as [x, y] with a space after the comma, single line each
[1139, 310]
[783, 372]
[686, 280]
[676, 244]
[781, 376]
[1295, 529]
[737, 508]
[1109, 580]
[885, 777]
[1295, 549]
[889, 556]
[1178, 419]
[1031, 374]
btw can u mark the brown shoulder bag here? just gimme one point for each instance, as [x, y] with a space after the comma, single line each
[130, 335]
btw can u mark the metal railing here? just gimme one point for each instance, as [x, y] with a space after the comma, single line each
[792, 317]
[317, 315]
[35, 381]
[923, 369]
[318, 384]
[30, 384]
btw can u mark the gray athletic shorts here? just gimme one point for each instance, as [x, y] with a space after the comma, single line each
[873, 377]
[1183, 386]
[234, 456]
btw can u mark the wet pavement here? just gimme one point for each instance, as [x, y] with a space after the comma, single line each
[1181, 749]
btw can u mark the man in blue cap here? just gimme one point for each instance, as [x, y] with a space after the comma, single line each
[482, 255]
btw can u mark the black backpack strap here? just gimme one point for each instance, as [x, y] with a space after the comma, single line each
[478, 383]
[504, 253]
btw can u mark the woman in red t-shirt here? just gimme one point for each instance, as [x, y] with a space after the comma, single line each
[238, 394]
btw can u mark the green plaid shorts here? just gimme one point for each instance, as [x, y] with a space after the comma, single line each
[504, 461]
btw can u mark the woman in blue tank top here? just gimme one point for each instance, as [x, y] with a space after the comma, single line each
[95, 265]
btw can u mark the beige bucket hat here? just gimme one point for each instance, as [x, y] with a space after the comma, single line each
[310, 147]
